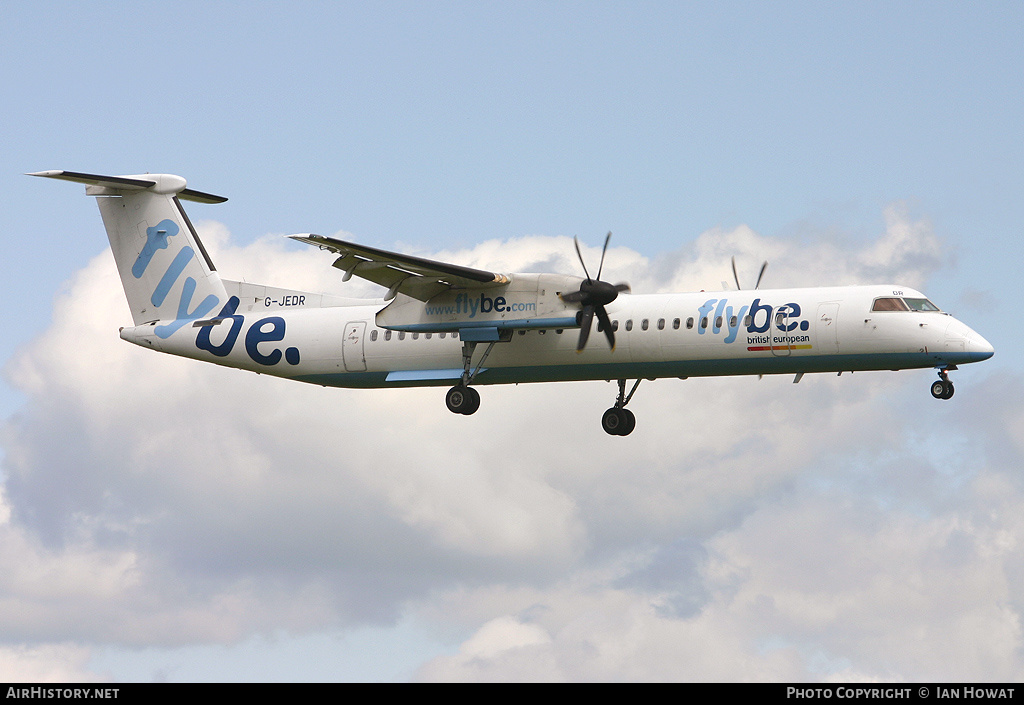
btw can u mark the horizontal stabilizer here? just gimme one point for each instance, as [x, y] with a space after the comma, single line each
[158, 183]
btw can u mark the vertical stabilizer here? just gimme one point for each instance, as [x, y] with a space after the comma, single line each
[166, 272]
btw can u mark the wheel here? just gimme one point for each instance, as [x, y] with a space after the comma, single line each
[611, 421]
[462, 400]
[949, 390]
[939, 389]
[628, 422]
[618, 422]
[474, 401]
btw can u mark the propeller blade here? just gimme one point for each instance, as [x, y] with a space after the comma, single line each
[606, 324]
[607, 239]
[763, 267]
[586, 319]
[736, 276]
[579, 254]
[593, 295]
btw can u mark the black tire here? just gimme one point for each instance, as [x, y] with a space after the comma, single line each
[939, 389]
[618, 422]
[948, 394]
[474, 401]
[628, 422]
[462, 400]
[612, 422]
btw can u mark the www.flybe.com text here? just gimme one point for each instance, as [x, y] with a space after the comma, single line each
[472, 305]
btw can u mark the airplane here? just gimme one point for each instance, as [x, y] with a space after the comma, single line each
[445, 324]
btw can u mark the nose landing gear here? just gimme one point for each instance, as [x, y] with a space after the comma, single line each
[943, 388]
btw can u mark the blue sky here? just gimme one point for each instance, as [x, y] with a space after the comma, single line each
[789, 128]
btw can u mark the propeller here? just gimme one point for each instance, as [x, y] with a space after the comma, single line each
[594, 295]
[760, 274]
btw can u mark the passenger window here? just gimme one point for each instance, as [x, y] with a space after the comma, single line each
[689, 323]
[732, 322]
[387, 335]
[629, 324]
[615, 325]
[661, 324]
[428, 335]
[643, 324]
[401, 335]
[373, 334]
[747, 320]
[415, 336]
[704, 322]
[718, 322]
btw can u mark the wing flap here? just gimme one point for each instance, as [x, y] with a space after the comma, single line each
[416, 277]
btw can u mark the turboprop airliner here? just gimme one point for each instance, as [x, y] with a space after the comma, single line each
[441, 324]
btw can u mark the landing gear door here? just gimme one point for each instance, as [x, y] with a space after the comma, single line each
[352, 346]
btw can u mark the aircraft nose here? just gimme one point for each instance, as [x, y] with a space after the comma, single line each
[964, 339]
[979, 348]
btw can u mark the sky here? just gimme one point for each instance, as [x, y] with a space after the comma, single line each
[166, 520]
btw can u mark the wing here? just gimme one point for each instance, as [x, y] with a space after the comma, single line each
[402, 274]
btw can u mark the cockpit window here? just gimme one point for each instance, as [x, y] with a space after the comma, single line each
[921, 305]
[889, 303]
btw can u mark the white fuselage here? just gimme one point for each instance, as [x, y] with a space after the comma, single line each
[337, 343]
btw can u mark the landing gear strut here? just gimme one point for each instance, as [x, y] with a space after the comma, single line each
[943, 389]
[618, 420]
[463, 399]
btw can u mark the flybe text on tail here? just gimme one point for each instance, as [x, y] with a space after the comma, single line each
[158, 238]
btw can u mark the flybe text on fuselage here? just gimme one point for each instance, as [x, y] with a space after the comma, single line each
[763, 323]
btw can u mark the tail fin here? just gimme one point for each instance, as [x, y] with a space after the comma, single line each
[165, 270]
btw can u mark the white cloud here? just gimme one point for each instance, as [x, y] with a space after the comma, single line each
[747, 530]
[56, 663]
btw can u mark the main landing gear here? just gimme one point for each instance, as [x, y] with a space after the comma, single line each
[618, 420]
[943, 389]
[463, 399]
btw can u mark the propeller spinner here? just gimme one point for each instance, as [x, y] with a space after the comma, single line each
[594, 295]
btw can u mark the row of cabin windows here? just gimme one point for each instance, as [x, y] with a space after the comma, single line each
[645, 324]
[415, 336]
